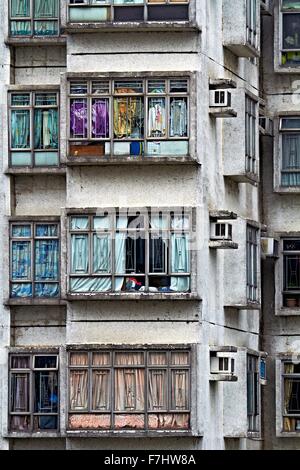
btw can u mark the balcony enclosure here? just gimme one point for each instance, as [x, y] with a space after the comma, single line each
[98, 11]
[34, 18]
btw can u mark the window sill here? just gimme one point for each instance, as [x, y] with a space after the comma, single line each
[288, 312]
[133, 296]
[246, 177]
[245, 306]
[35, 41]
[30, 301]
[287, 190]
[125, 160]
[131, 25]
[35, 170]
[288, 434]
[132, 433]
[33, 435]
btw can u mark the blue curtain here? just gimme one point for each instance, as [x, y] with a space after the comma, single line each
[21, 231]
[102, 253]
[46, 289]
[95, 284]
[46, 260]
[79, 223]
[20, 129]
[180, 262]
[20, 8]
[46, 129]
[80, 253]
[21, 290]
[45, 28]
[21, 260]
[20, 28]
[46, 8]
[46, 230]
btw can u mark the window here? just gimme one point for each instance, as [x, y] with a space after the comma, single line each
[291, 397]
[34, 129]
[129, 117]
[291, 273]
[251, 133]
[290, 151]
[98, 11]
[290, 47]
[125, 389]
[34, 260]
[34, 18]
[33, 392]
[252, 264]
[130, 252]
[251, 6]
[253, 394]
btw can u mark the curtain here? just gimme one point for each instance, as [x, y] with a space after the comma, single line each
[20, 28]
[101, 390]
[179, 389]
[21, 260]
[289, 424]
[120, 252]
[46, 8]
[20, 392]
[46, 230]
[79, 359]
[20, 129]
[21, 231]
[20, 362]
[79, 223]
[180, 358]
[46, 129]
[46, 260]
[78, 390]
[45, 28]
[128, 117]
[169, 421]
[178, 117]
[80, 253]
[180, 262]
[90, 284]
[290, 159]
[20, 8]
[46, 392]
[46, 289]
[21, 290]
[129, 382]
[157, 117]
[157, 389]
[101, 253]
[78, 118]
[100, 118]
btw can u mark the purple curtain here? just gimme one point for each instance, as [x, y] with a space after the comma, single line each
[100, 118]
[78, 118]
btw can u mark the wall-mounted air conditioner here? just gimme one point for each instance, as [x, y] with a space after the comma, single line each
[269, 247]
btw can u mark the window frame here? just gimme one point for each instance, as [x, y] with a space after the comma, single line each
[282, 13]
[251, 132]
[144, 4]
[31, 108]
[286, 376]
[252, 260]
[112, 367]
[285, 131]
[31, 239]
[251, 22]
[254, 417]
[32, 21]
[112, 214]
[30, 371]
[145, 139]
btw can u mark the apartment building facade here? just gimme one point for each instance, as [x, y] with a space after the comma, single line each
[136, 189]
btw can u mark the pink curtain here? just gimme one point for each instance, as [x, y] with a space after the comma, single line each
[157, 389]
[129, 382]
[79, 359]
[179, 389]
[78, 390]
[101, 390]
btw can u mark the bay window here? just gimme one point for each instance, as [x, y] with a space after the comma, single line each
[130, 252]
[129, 389]
[34, 18]
[290, 151]
[291, 272]
[290, 46]
[34, 266]
[291, 396]
[95, 11]
[34, 394]
[129, 117]
[34, 129]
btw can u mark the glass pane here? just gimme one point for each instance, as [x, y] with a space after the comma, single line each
[19, 392]
[101, 253]
[21, 290]
[291, 31]
[20, 362]
[178, 117]
[157, 389]
[20, 28]
[46, 392]
[290, 4]
[46, 8]
[78, 88]
[129, 86]
[180, 222]
[45, 28]
[20, 158]
[100, 87]
[156, 117]
[78, 390]
[100, 118]
[129, 358]
[46, 260]
[101, 222]
[46, 158]
[180, 358]
[179, 389]
[178, 86]
[20, 8]
[156, 86]
[292, 272]
[45, 99]
[45, 362]
[79, 359]
[129, 117]
[292, 396]
[79, 223]
[46, 230]
[101, 359]
[20, 128]
[21, 230]
[20, 99]
[129, 389]
[101, 390]
[157, 358]
[157, 254]
[79, 253]
[21, 260]
[78, 118]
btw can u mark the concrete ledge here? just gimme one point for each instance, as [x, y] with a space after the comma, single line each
[251, 178]
[109, 27]
[223, 378]
[27, 301]
[288, 312]
[243, 50]
[35, 41]
[222, 112]
[132, 434]
[132, 296]
[125, 160]
[35, 171]
[33, 435]
[223, 245]
[246, 306]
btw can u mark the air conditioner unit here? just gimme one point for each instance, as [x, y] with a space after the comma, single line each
[269, 247]
[266, 125]
[263, 371]
[222, 363]
[220, 98]
[221, 231]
